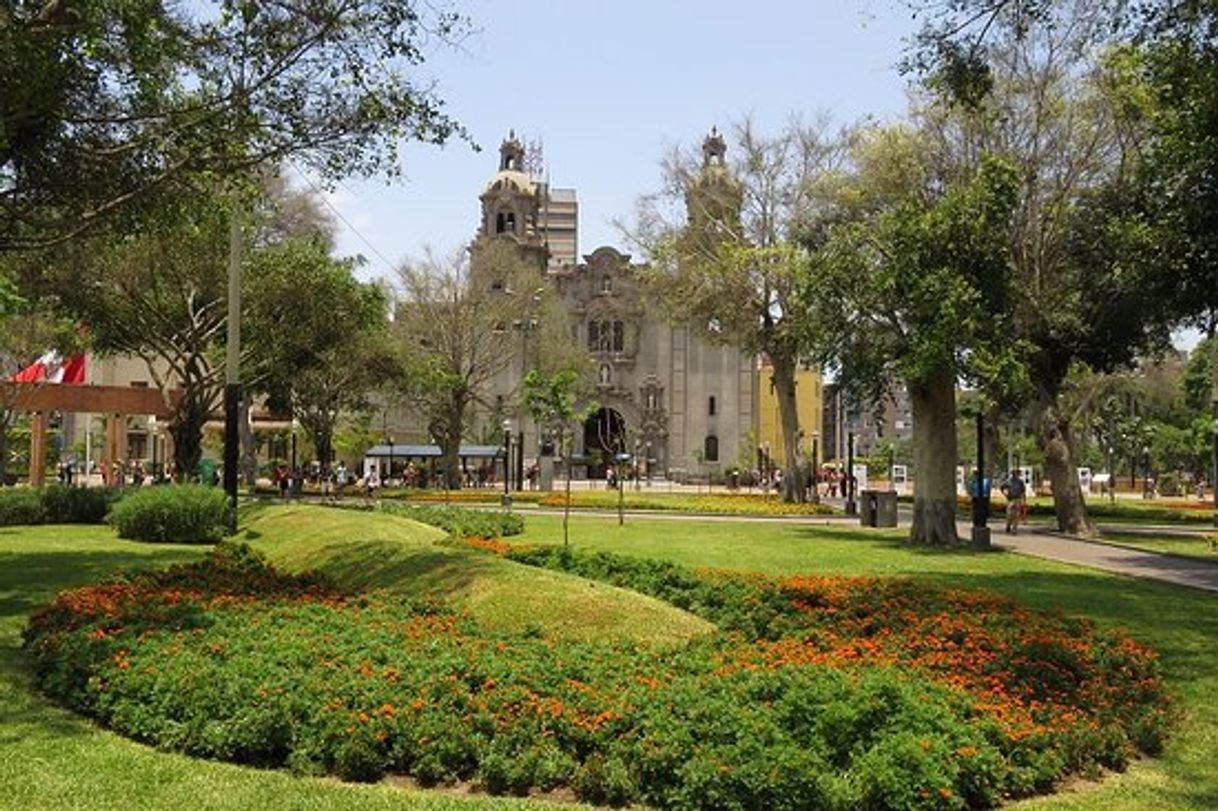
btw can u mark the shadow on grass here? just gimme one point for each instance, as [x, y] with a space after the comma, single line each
[885, 539]
[408, 570]
[30, 579]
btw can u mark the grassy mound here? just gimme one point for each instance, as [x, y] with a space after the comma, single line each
[382, 550]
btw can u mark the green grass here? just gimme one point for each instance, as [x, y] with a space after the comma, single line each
[52, 759]
[1190, 546]
[1181, 624]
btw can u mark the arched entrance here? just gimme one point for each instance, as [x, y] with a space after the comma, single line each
[604, 436]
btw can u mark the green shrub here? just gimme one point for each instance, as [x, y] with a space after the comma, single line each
[190, 513]
[78, 505]
[20, 505]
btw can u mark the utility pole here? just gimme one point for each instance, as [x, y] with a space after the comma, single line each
[232, 362]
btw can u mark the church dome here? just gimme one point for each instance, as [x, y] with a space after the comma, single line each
[511, 176]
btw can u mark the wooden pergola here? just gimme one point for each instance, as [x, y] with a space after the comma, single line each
[116, 402]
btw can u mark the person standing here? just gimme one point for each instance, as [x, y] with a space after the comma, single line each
[1016, 492]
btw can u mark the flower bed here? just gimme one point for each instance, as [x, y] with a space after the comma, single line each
[718, 503]
[827, 708]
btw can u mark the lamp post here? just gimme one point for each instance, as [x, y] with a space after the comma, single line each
[295, 425]
[851, 507]
[152, 446]
[981, 493]
[389, 441]
[647, 461]
[816, 467]
[507, 465]
[1145, 471]
[1111, 478]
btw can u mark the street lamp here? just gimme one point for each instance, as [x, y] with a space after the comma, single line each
[1145, 471]
[851, 507]
[816, 468]
[389, 441]
[295, 476]
[647, 461]
[507, 465]
[1111, 478]
[152, 443]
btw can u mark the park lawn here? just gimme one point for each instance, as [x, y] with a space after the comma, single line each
[1181, 624]
[53, 759]
[1192, 546]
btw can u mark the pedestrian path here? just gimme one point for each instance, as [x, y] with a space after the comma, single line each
[1181, 571]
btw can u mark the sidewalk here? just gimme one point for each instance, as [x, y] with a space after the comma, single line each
[1034, 541]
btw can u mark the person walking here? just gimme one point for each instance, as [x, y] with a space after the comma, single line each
[1016, 491]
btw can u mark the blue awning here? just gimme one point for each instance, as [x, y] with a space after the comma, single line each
[384, 451]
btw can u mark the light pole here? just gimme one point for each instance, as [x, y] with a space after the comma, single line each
[816, 467]
[152, 445]
[981, 493]
[1111, 478]
[389, 441]
[507, 465]
[851, 507]
[1145, 471]
[295, 425]
[647, 461]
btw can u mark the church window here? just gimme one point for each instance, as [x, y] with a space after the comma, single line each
[594, 336]
[710, 406]
[505, 223]
[711, 450]
[619, 336]
[606, 282]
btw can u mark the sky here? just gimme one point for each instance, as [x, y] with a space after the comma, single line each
[609, 88]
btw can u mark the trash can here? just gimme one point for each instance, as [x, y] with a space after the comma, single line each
[867, 508]
[885, 508]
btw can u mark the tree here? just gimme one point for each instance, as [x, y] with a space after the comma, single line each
[106, 103]
[552, 401]
[318, 337]
[452, 335]
[914, 289]
[730, 268]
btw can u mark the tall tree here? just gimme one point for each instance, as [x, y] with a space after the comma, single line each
[318, 337]
[1088, 287]
[914, 289]
[104, 103]
[729, 269]
[452, 333]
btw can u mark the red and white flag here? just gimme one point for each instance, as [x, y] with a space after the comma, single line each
[53, 368]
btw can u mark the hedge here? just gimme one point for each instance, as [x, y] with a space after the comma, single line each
[186, 513]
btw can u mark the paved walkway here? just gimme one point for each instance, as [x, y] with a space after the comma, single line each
[1035, 541]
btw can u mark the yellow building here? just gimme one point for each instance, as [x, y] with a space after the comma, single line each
[808, 393]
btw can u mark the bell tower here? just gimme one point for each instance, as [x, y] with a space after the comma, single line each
[714, 197]
[511, 207]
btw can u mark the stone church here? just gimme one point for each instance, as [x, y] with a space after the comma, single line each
[675, 401]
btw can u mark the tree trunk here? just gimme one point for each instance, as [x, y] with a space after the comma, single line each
[1053, 438]
[783, 377]
[934, 450]
[186, 427]
[450, 446]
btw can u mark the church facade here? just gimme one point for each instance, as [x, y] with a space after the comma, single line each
[666, 395]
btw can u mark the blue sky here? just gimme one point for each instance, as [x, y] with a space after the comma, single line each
[608, 88]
